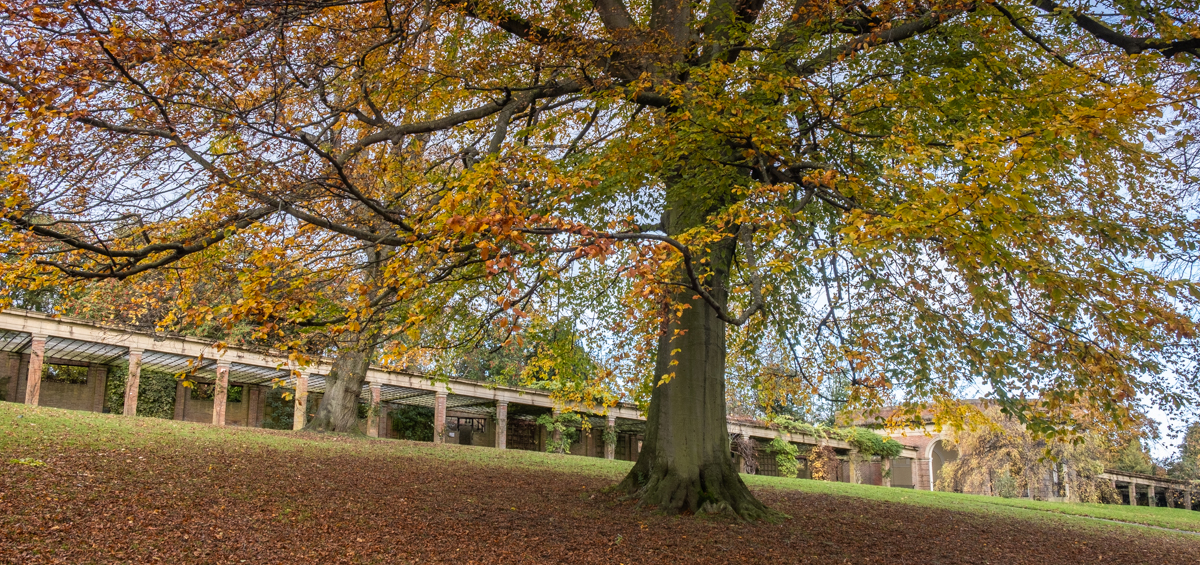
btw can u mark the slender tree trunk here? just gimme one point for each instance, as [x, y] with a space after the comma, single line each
[338, 411]
[685, 463]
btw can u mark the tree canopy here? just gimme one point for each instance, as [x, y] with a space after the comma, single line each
[911, 197]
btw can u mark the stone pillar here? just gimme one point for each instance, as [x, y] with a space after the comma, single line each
[439, 417]
[557, 437]
[1132, 493]
[373, 411]
[33, 379]
[502, 424]
[852, 462]
[1187, 499]
[301, 411]
[132, 382]
[610, 428]
[1151, 500]
[885, 468]
[220, 394]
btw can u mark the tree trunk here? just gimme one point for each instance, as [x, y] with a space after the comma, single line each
[338, 411]
[685, 463]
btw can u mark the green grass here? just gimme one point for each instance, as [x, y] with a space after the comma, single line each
[1172, 518]
[28, 432]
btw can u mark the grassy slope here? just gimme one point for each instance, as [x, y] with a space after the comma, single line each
[29, 430]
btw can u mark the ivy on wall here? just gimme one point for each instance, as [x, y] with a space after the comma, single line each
[564, 424]
[785, 457]
[865, 441]
[156, 392]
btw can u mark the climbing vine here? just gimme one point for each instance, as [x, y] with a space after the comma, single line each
[823, 463]
[564, 424]
[156, 392]
[865, 441]
[609, 436]
[785, 457]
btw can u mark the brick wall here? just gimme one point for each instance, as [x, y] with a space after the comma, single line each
[201, 411]
[87, 396]
[10, 364]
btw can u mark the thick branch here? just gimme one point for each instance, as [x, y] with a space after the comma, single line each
[1131, 45]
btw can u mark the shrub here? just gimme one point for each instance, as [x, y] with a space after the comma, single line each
[280, 413]
[413, 423]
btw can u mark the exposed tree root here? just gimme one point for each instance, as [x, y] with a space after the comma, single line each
[713, 491]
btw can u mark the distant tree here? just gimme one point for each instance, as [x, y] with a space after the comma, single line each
[1132, 457]
[1185, 462]
[1000, 457]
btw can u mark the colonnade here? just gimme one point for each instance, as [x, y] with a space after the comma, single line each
[82, 342]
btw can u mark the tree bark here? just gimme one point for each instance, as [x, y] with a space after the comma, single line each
[685, 464]
[338, 411]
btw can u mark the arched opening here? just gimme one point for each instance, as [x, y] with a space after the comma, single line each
[939, 455]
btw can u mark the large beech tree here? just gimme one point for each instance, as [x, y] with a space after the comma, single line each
[910, 196]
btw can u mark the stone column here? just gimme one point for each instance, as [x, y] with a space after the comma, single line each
[373, 411]
[557, 436]
[33, 379]
[439, 417]
[1132, 493]
[301, 411]
[1151, 500]
[1187, 499]
[852, 462]
[220, 394]
[610, 447]
[502, 424]
[885, 468]
[132, 382]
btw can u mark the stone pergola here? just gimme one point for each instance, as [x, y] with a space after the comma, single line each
[28, 340]
[1134, 484]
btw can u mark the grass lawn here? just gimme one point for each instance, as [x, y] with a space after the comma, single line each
[1173, 518]
[78, 487]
